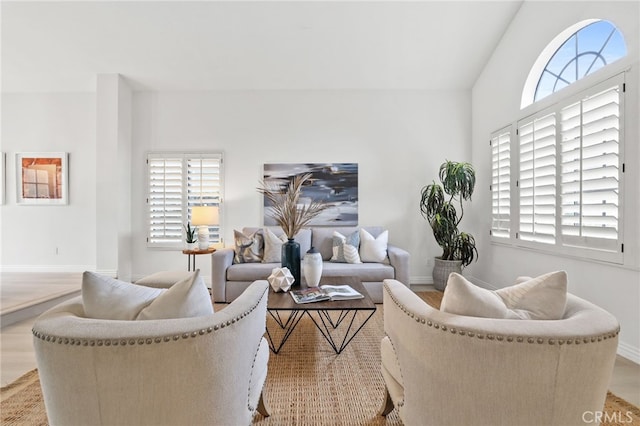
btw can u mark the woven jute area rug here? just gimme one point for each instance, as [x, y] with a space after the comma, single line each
[307, 383]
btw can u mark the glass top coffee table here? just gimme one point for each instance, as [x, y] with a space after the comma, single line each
[327, 316]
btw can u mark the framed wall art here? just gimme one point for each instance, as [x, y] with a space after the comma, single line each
[334, 183]
[42, 178]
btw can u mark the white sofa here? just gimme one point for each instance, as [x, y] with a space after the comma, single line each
[229, 279]
[207, 370]
[445, 369]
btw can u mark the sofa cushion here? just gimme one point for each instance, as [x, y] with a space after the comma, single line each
[345, 248]
[364, 271]
[248, 247]
[108, 298]
[541, 298]
[250, 271]
[373, 249]
[374, 272]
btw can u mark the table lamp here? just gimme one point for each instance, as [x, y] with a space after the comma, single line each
[203, 217]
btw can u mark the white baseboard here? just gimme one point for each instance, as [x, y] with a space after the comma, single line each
[47, 268]
[422, 287]
[629, 352]
[426, 280]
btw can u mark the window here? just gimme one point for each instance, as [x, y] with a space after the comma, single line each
[577, 52]
[176, 183]
[501, 183]
[568, 150]
[570, 175]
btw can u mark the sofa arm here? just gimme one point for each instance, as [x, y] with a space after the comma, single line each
[221, 259]
[399, 259]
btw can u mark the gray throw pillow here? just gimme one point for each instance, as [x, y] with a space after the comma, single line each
[248, 248]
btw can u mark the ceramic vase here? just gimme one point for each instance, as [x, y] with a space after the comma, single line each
[291, 259]
[312, 267]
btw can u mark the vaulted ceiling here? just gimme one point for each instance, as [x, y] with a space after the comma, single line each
[249, 45]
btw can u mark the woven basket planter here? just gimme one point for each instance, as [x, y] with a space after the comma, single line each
[442, 269]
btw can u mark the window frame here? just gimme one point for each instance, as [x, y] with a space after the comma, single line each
[189, 196]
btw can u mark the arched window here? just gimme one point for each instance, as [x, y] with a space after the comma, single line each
[565, 195]
[575, 53]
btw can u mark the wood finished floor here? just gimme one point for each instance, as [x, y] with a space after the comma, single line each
[16, 350]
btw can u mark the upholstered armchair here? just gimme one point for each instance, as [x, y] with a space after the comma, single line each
[446, 369]
[207, 370]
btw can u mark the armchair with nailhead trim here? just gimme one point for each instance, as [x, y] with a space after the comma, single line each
[203, 370]
[446, 369]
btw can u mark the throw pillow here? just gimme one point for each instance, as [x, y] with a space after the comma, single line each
[464, 298]
[185, 299]
[108, 298]
[272, 246]
[541, 298]
[248, 248]
[345, 249]
[373, 249]
[164, 279]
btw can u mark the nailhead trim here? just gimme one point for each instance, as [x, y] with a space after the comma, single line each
[144, 340]
[499, 338]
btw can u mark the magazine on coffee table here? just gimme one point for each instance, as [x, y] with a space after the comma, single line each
[325, 292]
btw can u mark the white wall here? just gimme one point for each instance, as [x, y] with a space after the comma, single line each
[496, 103]
[398, 138]
[31, 234]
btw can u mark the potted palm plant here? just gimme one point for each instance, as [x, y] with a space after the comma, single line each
[438, 206]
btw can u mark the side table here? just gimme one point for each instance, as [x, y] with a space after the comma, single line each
[191, 256]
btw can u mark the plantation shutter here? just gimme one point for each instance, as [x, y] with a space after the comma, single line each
[204, 187]
[537, 180]
[177, 182]
[590, 161]
[165, 200]
[501, 183]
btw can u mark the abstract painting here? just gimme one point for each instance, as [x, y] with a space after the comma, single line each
[334, 183]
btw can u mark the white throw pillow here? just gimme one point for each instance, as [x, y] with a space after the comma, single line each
[464, 298]
[108, 298]
[541, 298]
[185, 299]
[272, 246]
[345, 249]
[373, 249]
[164, 279]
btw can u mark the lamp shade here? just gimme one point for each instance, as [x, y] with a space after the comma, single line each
[204, 215]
